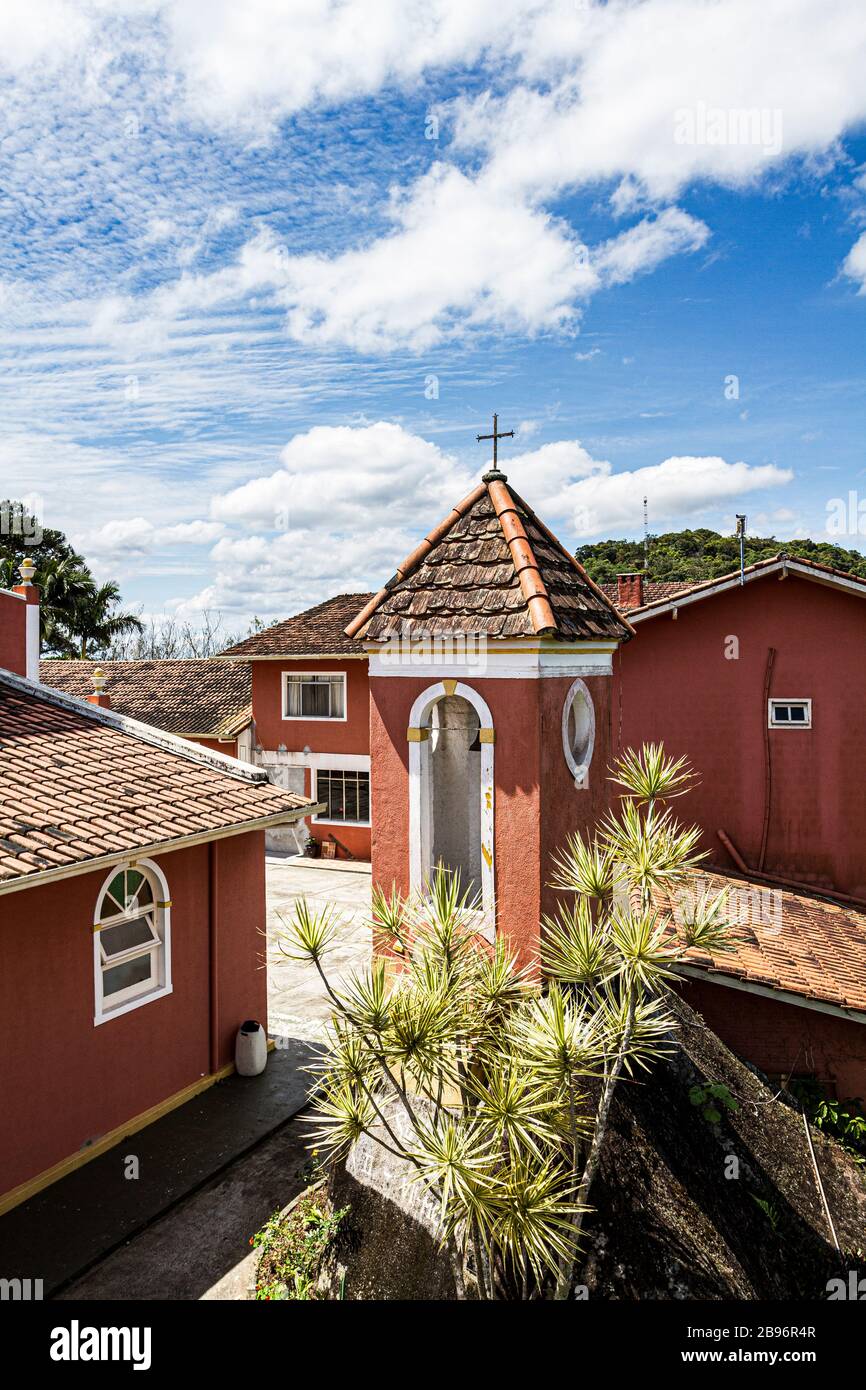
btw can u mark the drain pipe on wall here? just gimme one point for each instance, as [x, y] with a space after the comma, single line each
[794, 884]
[213, 952]
[768, 766]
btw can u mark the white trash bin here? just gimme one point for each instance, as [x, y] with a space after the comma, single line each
[251, 1049]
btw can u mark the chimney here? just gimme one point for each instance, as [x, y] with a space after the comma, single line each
[100, 695]
[629, 591]
[29, 592]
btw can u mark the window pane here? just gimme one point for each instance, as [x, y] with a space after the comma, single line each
[316, 699]
[293, 696]
[338, 708]
[136, 932]
[132, 972]
[798, 714]
[346, 795]
[781, 714]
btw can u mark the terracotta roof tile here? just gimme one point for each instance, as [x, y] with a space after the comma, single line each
[318, 631]
[786, 941]
[207, 697]
[78, 783]
[653, 591]
[492, 567]
[706, 587]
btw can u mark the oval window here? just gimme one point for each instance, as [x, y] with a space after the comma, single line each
[578, 732]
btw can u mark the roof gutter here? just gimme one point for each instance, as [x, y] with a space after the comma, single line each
[781, 996]
[104, 861]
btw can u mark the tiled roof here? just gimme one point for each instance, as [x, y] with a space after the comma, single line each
[206, 697]
[492, 566]
[653, 589]
[810, 569]
[789, 941]
[318, 631]
[80, 784]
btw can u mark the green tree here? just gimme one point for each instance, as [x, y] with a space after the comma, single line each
[96, 620]
[703, 554]
[77, 617]
[493, 1087]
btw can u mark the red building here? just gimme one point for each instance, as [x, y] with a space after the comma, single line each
[132, 907]
[311, 709]
[761, 684]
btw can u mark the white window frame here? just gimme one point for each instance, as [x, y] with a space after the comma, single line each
[775, 700]
[578, 690]
[329, 771]
[159, 983]
[314, 718]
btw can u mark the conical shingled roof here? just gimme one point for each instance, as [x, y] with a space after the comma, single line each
[492, 566]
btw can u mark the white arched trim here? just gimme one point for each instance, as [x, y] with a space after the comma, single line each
[162, 900]
[420, 797]
[579, 770]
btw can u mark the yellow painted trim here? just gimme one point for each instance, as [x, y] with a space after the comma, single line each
[16, 1195]
[487, 855]
[486, 735]
[449, 686]
[417, 735]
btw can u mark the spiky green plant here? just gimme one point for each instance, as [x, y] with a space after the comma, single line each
[493, 1082]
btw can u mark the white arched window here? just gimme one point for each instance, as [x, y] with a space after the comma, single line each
[578, 732]
[131, 944]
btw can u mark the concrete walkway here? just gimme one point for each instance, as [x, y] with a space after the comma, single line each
[297, 1004]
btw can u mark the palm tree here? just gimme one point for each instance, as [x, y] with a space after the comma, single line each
[96, 621]
[494, 1088]
[64, 583]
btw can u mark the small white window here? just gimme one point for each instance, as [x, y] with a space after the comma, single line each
[307, 695]
[130, 940]
[578, 733]
[790, 714]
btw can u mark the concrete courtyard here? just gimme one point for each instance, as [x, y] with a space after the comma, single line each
[297, 1004]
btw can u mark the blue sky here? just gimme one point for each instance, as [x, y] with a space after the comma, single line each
[253, 315]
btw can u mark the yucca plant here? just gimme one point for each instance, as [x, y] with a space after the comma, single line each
[492, 1081]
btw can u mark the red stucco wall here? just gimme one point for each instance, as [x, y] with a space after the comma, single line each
[65, 1082]
[351, 735]
[536, 804]
[13, 639]
[673, 683]
[782, 1038]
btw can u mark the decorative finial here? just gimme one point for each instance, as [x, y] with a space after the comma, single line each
[99, 680]
[493, 475]
[27, 570]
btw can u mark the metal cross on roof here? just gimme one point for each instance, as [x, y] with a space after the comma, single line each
[495, 436]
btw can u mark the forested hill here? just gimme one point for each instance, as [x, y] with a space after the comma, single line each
[696, 555]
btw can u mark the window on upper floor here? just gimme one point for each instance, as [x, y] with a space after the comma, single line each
[346, 796]
[790, 714]
[310, 696]
[130, 939]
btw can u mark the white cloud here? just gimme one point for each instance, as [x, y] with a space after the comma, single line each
[854, 265]
[348, 505]
[644, 246]
[624, 77]
[337, 476]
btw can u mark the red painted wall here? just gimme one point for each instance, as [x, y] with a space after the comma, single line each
[229, 747]
[782, 1038]
[673, 683]
[13, 639]
[536, 804]
[66, 1082]
[351, 735]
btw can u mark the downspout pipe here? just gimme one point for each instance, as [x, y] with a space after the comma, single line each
[213, 953]
[795, 885]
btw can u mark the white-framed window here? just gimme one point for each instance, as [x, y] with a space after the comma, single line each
[578, 732]
[790, 714]
[314, 695]
[131, 941]
[346, 796]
